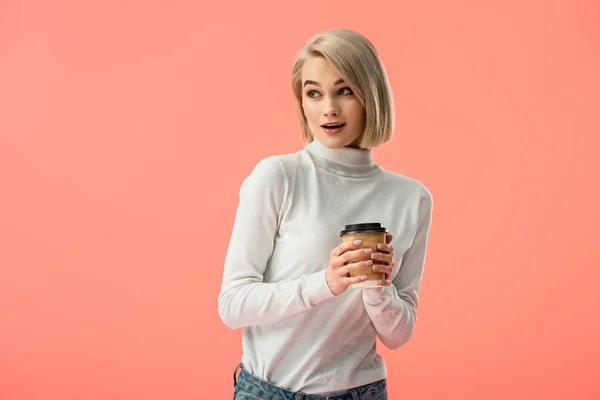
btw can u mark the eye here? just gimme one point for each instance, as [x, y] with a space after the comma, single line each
[312, 94]
[345, 91]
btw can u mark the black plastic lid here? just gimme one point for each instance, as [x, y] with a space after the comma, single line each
[362, 228]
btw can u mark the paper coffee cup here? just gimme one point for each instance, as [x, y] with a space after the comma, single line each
[371, 235]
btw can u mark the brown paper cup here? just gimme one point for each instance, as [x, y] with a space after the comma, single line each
[369, 240]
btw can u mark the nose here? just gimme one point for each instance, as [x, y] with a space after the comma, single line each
[330, 108]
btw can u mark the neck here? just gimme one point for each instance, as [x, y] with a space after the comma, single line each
[345, 160]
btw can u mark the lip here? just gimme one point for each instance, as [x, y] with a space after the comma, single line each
[332, 122]
[332, 132]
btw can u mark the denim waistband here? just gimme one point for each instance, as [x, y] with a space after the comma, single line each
[264, 390]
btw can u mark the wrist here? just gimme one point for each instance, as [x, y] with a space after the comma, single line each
[331, 289]
[327, 280]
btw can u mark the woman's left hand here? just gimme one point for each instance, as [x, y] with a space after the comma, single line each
[385, 252]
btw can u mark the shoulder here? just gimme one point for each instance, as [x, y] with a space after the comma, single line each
[410, 186]
[278, 165]
[266, 174]
[274, 172]
[268, 168]
[285, 166]
[281, 170]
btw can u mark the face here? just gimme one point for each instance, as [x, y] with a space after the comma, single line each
[327, 99]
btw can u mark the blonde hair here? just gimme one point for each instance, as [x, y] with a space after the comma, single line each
[358, 63]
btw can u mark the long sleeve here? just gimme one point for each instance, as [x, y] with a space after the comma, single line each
[245, 300]
[393, 309]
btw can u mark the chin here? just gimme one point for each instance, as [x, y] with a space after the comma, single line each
[335, 142]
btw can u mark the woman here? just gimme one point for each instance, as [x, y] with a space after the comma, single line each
[307, 335]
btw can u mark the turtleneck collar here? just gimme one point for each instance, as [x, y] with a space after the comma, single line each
[347, 156]
[346, 160]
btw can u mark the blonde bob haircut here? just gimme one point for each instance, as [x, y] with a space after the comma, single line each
[358, 63]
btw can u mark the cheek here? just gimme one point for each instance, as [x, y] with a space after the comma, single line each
[357, 112]
[310, 111]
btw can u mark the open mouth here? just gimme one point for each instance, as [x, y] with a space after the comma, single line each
[332, 126]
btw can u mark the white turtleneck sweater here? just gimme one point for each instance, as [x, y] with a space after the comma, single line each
[297, 334]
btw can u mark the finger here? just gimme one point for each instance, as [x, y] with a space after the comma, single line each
[352, 280]
[344, 247]
[383, 268]
[348, 268]
[350, 255]
[384, 282]
[386, 248]
[386, 258]
[388, 238]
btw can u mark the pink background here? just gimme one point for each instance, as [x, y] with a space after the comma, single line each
[126, 129]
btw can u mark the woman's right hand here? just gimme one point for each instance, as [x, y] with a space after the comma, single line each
[338, 270]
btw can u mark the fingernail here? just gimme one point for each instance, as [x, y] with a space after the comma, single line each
[368, 262]
[363, 278]
[357, 242]
[368, 251]
[375, 255]
[381, 246]
[376, 267]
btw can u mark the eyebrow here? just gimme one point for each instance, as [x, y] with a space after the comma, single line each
[318, 84]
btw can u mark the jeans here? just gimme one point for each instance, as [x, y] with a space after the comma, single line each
[249, 387]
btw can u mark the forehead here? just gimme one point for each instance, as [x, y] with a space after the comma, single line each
[320, 70]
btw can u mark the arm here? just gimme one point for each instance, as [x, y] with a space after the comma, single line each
[246, 300]
[393, 309]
